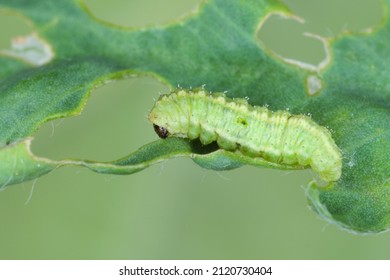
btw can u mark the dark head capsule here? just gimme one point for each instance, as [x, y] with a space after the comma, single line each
[161, 131]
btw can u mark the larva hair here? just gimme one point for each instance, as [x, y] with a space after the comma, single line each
[278, 137]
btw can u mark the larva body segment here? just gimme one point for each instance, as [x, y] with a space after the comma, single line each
[278, 137]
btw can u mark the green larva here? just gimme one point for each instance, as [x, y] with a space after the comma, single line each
[278, 137]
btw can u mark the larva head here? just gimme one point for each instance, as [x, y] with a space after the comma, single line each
[157, 118]
[166, 116]
[161, 131]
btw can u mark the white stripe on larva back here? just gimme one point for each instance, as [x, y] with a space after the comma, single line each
[279, 137]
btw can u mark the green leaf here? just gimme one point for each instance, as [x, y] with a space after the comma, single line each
[217, 46]
[18, 164]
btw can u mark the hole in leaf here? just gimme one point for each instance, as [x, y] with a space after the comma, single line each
[113, 123]
[329, 18]
[286, 36]
[12, 26]
[141, 12]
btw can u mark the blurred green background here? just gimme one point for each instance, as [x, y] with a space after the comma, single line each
[173, 210]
